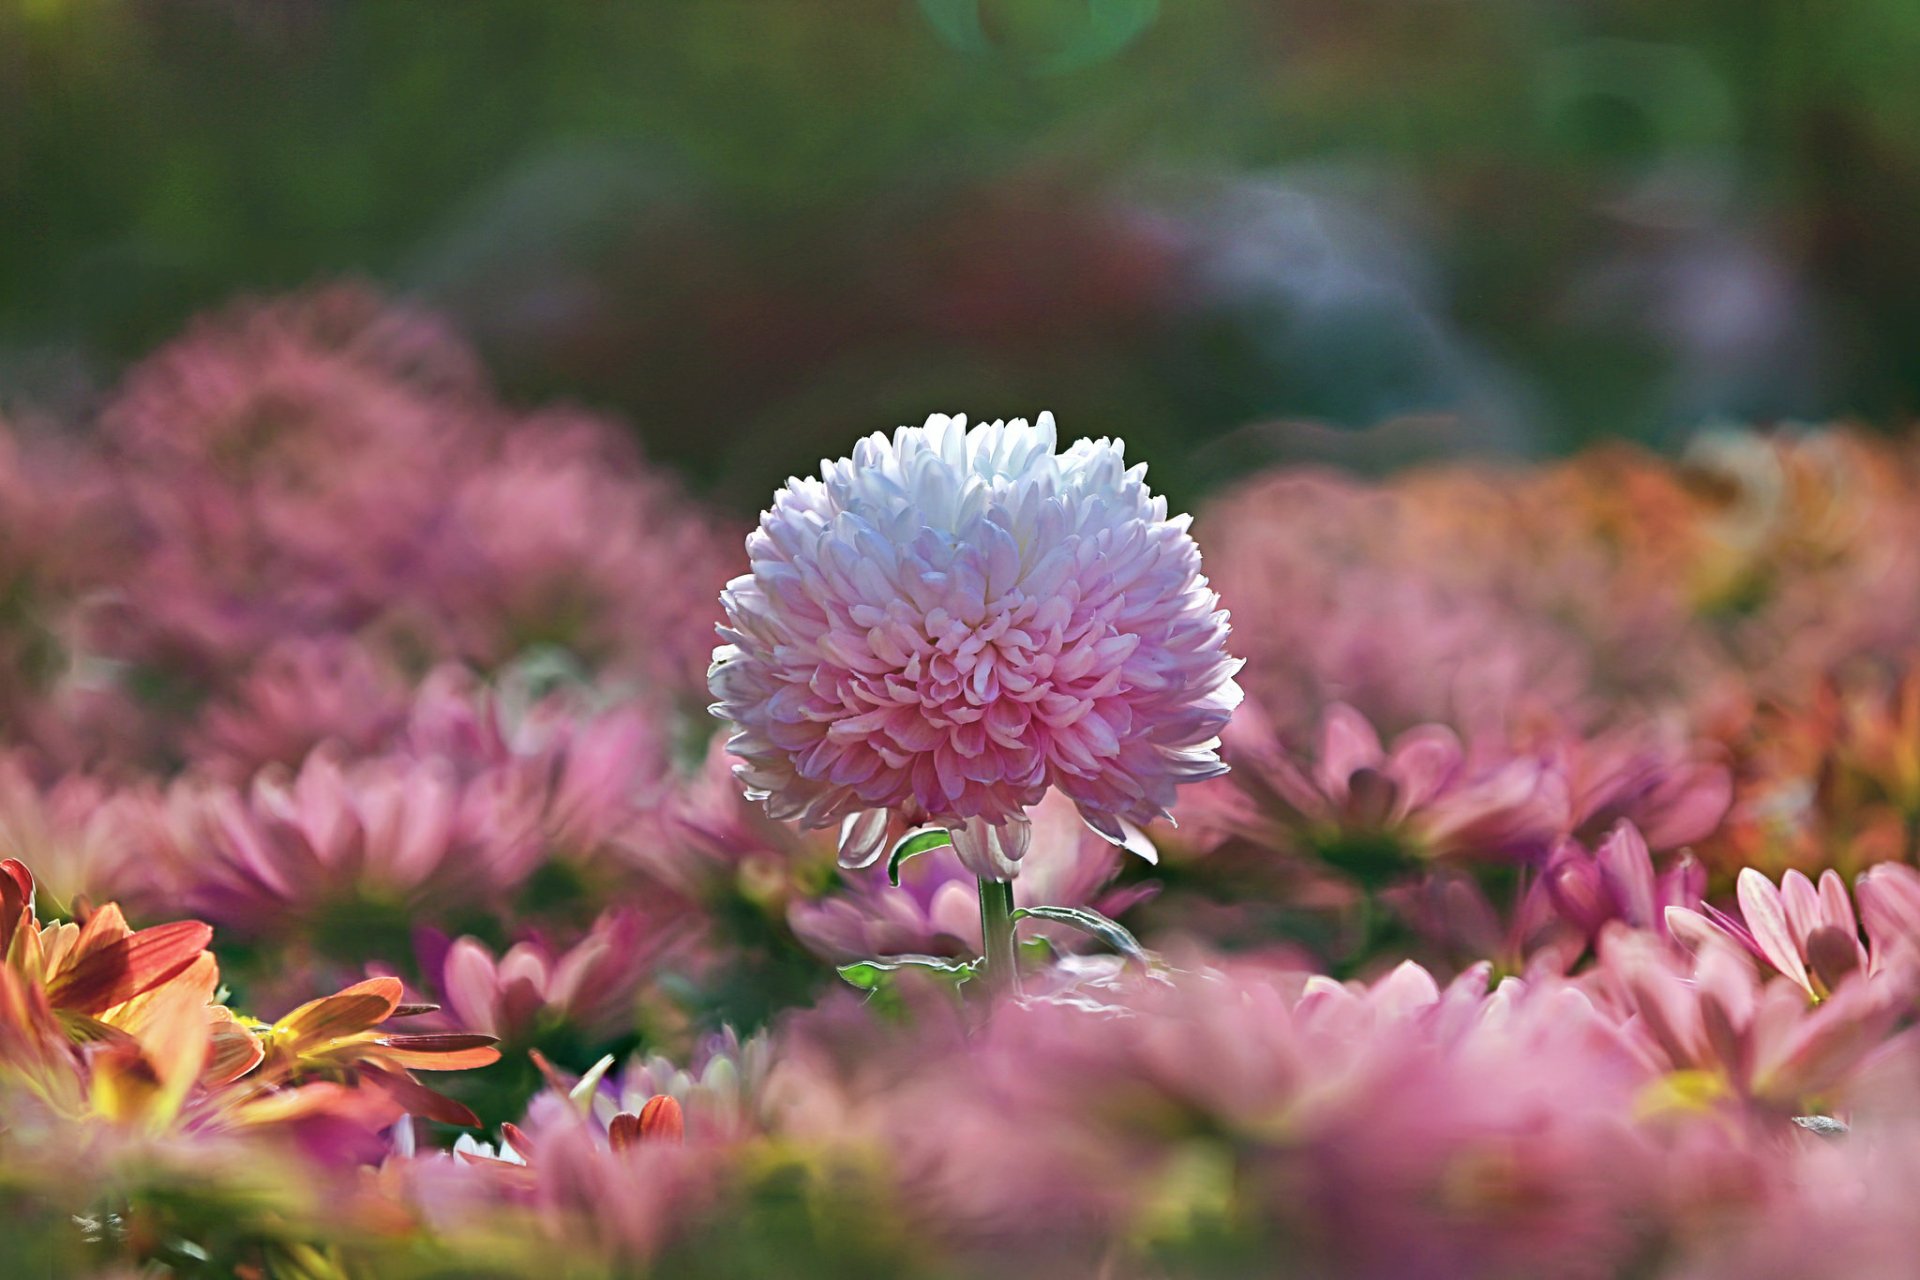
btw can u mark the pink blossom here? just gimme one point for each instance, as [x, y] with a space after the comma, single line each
[591, 987]
[1401, 1129]
[478, 788]
[1346, 593]
[287, 461]
[564, 536]
[1889, 894]
[1617, 881]
[300, 693]
[73, 830]
[951, 622]
[1675, 792]
[1810, 936]
[722, 1090]
[1719, 1032]
[1424, 795]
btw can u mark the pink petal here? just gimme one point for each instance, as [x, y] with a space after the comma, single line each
[1761, 907]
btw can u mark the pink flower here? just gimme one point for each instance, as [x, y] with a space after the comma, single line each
[1376, 811]
[293, 847]
[73, 831]
[1673, 791]
[1402, 1129]
[950, 623]
[565, 536]
[1361, 594]
[591, 987]
[61, 538]
[722, 1092]
[1889, 894]
[1717, 1031]
[1808, 935]
[300, 693]
[456, 810]
[287, 461]
[1617, 881]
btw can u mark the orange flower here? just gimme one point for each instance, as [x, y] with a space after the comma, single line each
[339, 1038]
[99, 1019]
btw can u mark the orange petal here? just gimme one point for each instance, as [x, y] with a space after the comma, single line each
[233, 1051]
[137, 1016]
[344, 1013]
[661, 1120]
[102, 975]
[452, 1052]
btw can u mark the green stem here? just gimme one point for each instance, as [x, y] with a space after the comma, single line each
[996, 929]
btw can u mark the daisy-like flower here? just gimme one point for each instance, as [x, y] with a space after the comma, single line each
[946, 625]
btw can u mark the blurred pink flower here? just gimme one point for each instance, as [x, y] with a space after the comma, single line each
[1716, 1031]
[565, 537]
[1400, 1129]
[1344, 594]
[708, 837]
[301, 692]
[1806, 934]
[951, 622]
[1452, 909]
[62, 541]
[1377, 811]
[1889, 894]
[591, 987]
[721, 1092]
[1617, 881]
[73, 832]
[402, 833]
[287, 461]
[1674, 792]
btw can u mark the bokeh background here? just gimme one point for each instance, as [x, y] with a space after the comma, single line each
[1234, 231]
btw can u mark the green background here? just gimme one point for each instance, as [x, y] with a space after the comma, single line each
[758, 228]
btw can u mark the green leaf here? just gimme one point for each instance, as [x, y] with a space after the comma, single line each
[1111, 932]
[915, 842]
[868, 975]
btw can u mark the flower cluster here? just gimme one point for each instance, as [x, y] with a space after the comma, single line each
[1549, 906]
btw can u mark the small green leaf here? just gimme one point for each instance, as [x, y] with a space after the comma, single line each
[868, 975]
[915, 842]
[1111, 932]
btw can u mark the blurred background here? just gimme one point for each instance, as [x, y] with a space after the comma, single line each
[1234, 231]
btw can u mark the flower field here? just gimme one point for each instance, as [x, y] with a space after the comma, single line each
[436, 844]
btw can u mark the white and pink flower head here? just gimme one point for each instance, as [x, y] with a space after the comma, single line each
[951, 622]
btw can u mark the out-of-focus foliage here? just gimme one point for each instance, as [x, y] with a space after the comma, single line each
[749, 225]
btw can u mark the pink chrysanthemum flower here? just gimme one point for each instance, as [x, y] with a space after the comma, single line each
[950, 622]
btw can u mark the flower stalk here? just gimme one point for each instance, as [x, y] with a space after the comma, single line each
[1001, 961]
